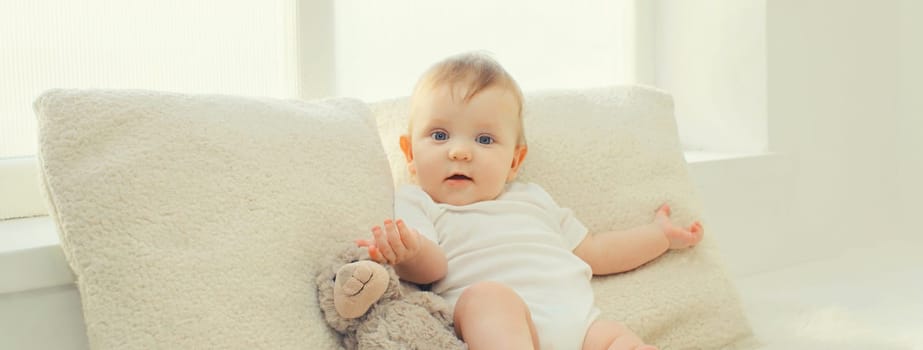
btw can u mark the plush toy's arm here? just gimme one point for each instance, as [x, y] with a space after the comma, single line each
[377, 333]
[433, 303]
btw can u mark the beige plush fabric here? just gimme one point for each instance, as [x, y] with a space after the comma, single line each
[613, 156]
[196, 222]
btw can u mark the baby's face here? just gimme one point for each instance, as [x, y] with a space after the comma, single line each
[461, 153]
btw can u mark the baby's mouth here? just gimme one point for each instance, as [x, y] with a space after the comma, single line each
[458, 177]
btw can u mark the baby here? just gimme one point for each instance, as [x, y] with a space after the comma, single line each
[515, 265]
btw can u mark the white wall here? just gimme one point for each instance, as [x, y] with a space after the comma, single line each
[832, 106]
[745, 204]
[910, 125]
[843, 102]
[711, 55]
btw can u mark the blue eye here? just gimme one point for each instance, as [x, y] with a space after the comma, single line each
[439, 135]
[485, 140]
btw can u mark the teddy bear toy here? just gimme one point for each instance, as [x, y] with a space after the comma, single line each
[370, 308]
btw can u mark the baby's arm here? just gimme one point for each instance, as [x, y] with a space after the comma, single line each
[620, 251]
[415, 258]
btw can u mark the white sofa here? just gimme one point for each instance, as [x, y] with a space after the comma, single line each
[788, 308]
[813, 305]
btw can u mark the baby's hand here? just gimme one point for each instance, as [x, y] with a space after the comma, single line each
[395, 244]
[679, 237]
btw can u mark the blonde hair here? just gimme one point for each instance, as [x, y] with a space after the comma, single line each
[476, 69]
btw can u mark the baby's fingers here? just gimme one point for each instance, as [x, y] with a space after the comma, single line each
[664, 210]
[409, 237]
[381, 242]
[394, 240]
[374, 253]
[694, 233]
[698, 231]
[681, 238]
[376, 256]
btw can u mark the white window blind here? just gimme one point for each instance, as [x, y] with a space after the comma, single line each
[242, 47]
[383, 46]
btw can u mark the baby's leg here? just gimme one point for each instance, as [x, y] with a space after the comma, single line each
[489, 315]
[611, 335]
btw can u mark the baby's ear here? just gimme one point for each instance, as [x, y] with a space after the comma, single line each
[519, 155]
[407, 148]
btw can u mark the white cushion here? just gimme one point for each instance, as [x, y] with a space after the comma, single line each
[613, 156]
[196, 221]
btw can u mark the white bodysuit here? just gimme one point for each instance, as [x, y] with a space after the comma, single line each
[523, 240]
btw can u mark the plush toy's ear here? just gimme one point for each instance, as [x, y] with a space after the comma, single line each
[350, 254]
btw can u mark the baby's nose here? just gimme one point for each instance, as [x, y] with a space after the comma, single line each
[460, 153]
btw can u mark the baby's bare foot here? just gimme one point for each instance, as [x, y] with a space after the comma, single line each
[646, 347]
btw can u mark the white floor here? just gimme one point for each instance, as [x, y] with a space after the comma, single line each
[869, 297]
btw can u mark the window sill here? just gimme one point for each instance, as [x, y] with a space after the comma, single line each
[31, 256]
[694, 158]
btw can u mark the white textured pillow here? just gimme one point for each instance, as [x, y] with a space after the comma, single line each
[196, 221]
[613, 156]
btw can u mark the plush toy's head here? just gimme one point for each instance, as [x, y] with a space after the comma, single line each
[350, 284]
[367, 304]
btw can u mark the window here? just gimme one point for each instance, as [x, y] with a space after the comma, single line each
[382, 47]
[231, 47]
[287, 48]
[711, 56]
[208, 46]
[249, 47]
